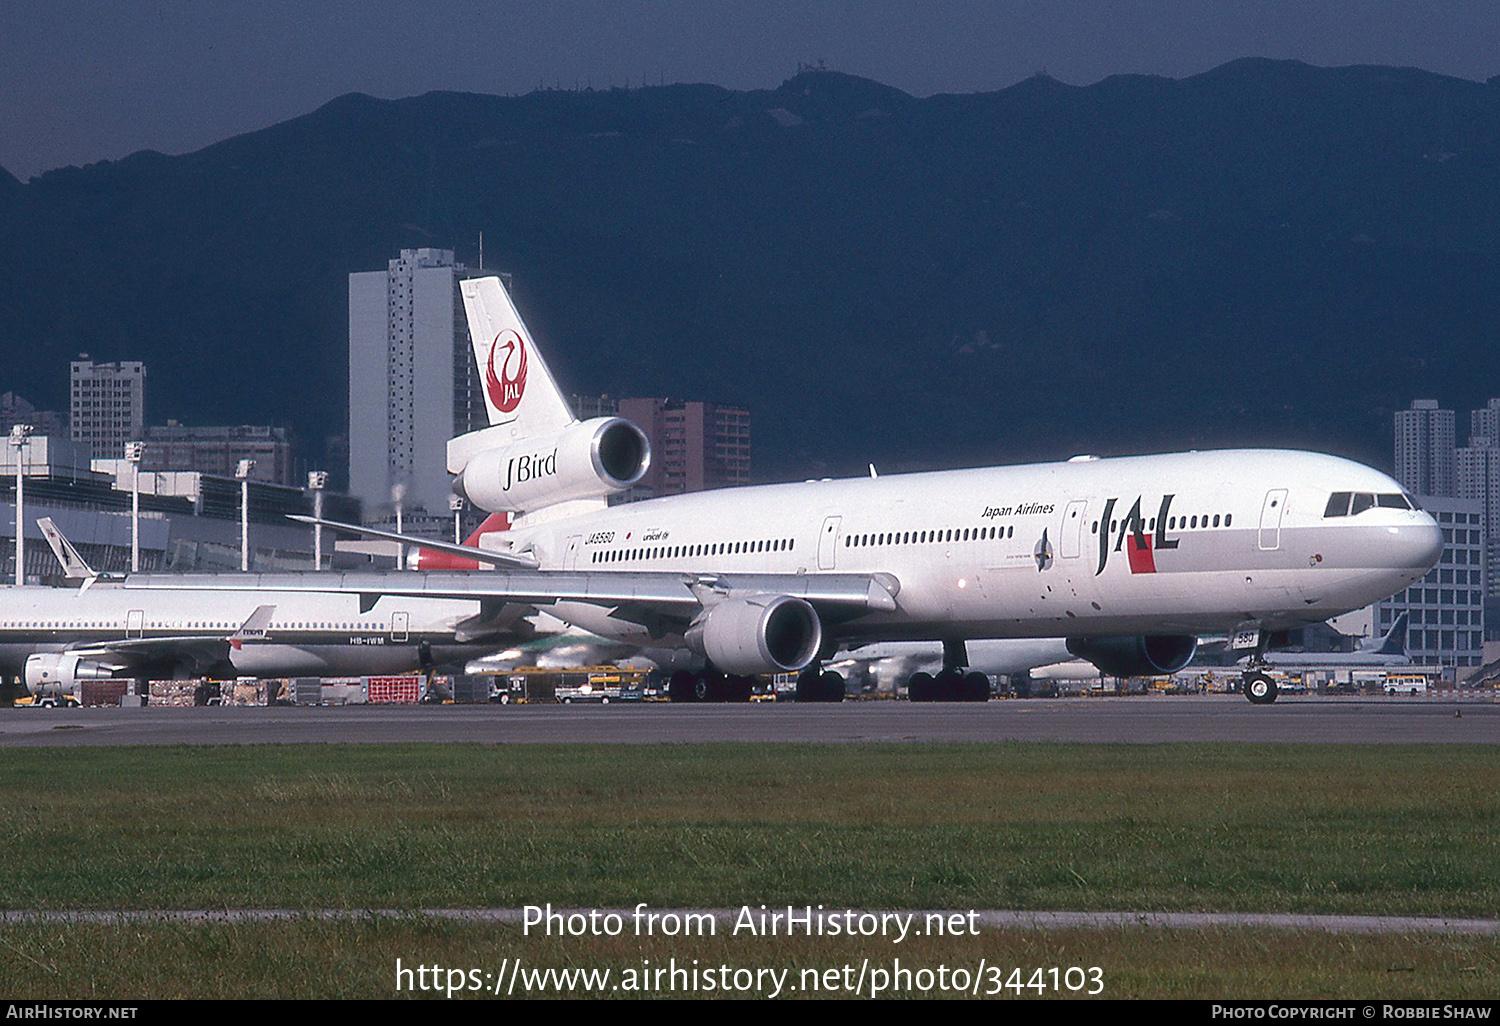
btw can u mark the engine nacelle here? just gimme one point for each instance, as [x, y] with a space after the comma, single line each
[61, 669]
[1135, 655]
[588, 460]
[759, 634]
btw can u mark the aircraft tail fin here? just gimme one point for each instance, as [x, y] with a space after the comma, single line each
[519, 390]
[74, 566]
[1394, 642]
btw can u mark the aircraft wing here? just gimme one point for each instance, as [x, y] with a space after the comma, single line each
[194, 652]
[679, 594]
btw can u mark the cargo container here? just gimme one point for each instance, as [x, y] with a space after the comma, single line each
[393, 690]
[103, 692]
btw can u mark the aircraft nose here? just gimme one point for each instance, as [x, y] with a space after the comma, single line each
[1418, 546]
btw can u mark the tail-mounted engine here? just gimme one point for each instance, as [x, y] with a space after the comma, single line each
[587, 460]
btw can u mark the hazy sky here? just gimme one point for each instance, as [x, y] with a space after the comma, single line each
[84, 80]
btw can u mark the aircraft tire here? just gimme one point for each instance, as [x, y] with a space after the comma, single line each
[976, 687]
[949, 686]
[1259, 688]
[682, 686]
[808, 685]
[831, 685]
[920, 687]
[738, 689]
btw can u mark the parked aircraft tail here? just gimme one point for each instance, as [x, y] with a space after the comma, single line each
[73, 565]
[1394, 641]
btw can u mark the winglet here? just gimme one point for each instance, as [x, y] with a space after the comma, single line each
[254, 627]
[74, 567]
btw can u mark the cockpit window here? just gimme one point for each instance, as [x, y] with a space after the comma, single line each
[1350, 504]
[1338, 505]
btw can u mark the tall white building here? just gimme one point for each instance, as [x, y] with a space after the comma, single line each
[1447, 606]
[1424, 448]
[108, 405]
[412, 380]
[1478, 471]
[1485, 424]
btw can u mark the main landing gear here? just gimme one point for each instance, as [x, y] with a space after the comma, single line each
[708, 685]
[952, 684]
[816, 684]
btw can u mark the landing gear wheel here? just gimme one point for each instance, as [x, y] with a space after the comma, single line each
[682, 686]
[920, 688]
[1259, 687]
[832, 686]
[976, 687]
[949, 686]
[711, 686]
[738, 689]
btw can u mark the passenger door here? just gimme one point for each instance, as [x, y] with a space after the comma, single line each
[1072, 528]
[1271, 512]
[828, 543]
[400, 626]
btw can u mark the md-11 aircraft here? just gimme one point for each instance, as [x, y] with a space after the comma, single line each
[1127, 558]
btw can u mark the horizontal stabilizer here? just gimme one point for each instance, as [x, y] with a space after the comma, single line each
[509, 560]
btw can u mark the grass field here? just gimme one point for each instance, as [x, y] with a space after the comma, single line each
[1312, 829]
[358, 960]
[1173, 828]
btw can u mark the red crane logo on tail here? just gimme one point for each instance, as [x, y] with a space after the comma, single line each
[506, 388]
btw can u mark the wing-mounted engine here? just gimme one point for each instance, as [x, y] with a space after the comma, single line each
[758, 634]
[587, 460]
[1135, 655]
[63, 669]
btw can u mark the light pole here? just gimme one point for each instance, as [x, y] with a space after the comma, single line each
[19, 433]
[133, 453]
[317, 480]
[456, 504]
[242, 471]
[398, 495]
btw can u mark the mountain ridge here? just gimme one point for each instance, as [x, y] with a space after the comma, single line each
[1265, 253]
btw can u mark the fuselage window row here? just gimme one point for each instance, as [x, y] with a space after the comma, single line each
[860, 541]
[1189, 523]
[681, 551]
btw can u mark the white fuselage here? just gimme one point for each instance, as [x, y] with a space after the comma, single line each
[1168, 544]
[310, 633]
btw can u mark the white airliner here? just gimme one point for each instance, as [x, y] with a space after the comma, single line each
[1128, 558]
[109, 629]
